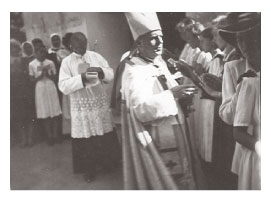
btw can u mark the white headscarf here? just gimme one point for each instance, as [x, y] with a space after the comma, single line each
[53, 49]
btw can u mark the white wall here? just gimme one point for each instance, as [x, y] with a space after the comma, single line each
[107, 33]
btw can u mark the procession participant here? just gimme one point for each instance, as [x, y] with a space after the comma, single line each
[37, 43]
[246, 101]
[156, 147]
[181, 27]
[207, 107]
[55, 47]
[234, 66]
[223, 142]
[82, 76]
[66, 111]
[226, 42]
[20, 117]
[42, 71]
[53, 55]
[189, 29]
[28, 56]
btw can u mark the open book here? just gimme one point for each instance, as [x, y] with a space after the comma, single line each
[187, 71]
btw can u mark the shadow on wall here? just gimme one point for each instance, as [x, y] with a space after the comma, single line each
[172, 40]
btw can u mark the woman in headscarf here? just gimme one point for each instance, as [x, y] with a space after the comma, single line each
[55, 43]
[52, 52]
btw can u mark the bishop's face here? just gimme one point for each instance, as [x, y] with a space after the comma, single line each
[151, 44]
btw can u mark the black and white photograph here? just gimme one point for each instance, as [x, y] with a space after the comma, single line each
[134, 100]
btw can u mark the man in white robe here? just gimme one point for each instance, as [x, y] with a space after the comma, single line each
[82, 76]
[157, 151]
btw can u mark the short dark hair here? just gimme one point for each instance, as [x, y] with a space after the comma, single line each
[76, 36]
[66, 39]
[190, 24]
[185, 23]
[41, 48]
[36, 40]
[207, 33]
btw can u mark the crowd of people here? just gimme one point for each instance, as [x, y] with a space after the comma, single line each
[184, 122]
[49, 95]
[36, 102]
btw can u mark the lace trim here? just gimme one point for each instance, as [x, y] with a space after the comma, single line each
[86, 124]
[89, 104]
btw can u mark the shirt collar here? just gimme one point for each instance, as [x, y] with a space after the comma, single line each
[218, 54]
[52, 50]
[78, 55]
[227, 53]
[155, 61]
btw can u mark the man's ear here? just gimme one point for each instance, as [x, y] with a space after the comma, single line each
[138, 43]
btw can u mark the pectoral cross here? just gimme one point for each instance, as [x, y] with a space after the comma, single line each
[163, 81]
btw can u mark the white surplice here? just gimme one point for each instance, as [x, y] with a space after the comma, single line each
[246, 163]
[206, 115]
[232, 71]
[90, 112]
